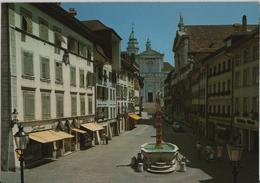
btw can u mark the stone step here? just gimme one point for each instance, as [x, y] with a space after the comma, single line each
[160, 167]
[172, 169]
[160, 163]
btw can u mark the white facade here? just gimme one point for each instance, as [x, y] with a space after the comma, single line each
[36, 62]
[151, 64]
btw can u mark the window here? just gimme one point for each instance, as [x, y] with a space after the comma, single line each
[214, 109]
[89, 54]
[111, 97]
[224, 86]
[219, 68]
[224, 66]
[29, 105]
[219, 87]
[245, 105]
[43, 29]
[90, 79]
[254, 104]
[72, 76]
[58, 73]
[150, 96]
[26, 20]
[59, 105]
[210, 109]
[110, 76]
[82, 105]
[255, 52]
[81, 78]
[218, 109]
[82, 50]
[229, 64]
[246, 55]
[209, 89]
[58, 39]
[72, 45]
[215, 70]
[229, 85]
[237, 79]
[223, 109]
[90, 110]
[105, 76]
[210, 72]
[245, 77]
[255, 75]
[27, 68]
[236, 105]
[45, 69]
[46, 105]
[74, 105]
[228, 110]
[214, 88]
[237, 59]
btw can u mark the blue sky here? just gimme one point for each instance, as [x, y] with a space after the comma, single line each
[159, 20]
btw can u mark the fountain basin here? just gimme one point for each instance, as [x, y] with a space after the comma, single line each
[166, 153]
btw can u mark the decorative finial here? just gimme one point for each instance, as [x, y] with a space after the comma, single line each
[181, 22]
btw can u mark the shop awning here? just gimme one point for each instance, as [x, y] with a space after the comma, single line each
[49, 136]
[92, 126]
[134, 116]
[78, 130]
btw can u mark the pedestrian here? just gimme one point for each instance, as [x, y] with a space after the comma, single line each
[219, 151]
[106, 139]
[198, 147]
[103, 137]
[208, 150]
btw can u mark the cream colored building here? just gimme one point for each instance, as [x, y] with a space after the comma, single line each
[245, 55]
[50, 64]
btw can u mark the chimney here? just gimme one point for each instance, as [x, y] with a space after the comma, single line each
[244, 23]
[72, 12]
[236, 27]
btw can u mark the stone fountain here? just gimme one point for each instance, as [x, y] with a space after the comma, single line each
[159, 157]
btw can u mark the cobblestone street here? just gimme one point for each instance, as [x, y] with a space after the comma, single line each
[109, 163]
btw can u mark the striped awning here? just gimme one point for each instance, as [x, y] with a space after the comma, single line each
[49, 136]
[92, 126]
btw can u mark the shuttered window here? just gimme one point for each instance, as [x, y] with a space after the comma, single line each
[81, 78]
[26, 20]
[29, 105]
[45, 68]
[72, 76]
[27, 60]
[46, 105]
[90, 79]
[43, 29]
[90, 110]
[72, 45]
[73, 105]
[82, 105]
[59, 105]
[82, 50]
[58, 73]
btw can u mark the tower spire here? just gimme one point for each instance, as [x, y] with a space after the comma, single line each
[148, 44]
[132, 45]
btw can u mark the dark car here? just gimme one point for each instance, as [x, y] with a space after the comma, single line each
[178, 126]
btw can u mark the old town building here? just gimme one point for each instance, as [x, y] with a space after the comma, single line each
[106, 64]
[243, 49]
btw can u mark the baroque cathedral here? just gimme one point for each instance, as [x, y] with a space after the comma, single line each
[152, 68]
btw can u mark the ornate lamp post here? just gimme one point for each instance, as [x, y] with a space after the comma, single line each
[21, 140]
[235, 154]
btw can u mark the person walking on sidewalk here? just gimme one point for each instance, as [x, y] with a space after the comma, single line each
[208, 151]
[198, 147]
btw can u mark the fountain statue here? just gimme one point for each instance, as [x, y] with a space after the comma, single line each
[159, 157]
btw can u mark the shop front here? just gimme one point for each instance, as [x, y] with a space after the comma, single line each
[93, 131]
[133, 118]
[44, 145]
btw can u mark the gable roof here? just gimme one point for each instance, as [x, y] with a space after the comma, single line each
[206, 38]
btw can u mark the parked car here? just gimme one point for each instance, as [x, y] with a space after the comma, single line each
[178, 126]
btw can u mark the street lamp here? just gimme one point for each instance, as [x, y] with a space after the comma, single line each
[21, 140]
[235, 154]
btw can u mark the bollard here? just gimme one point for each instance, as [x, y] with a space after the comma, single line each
[133, 161]
[182, 166]
[140, 167]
